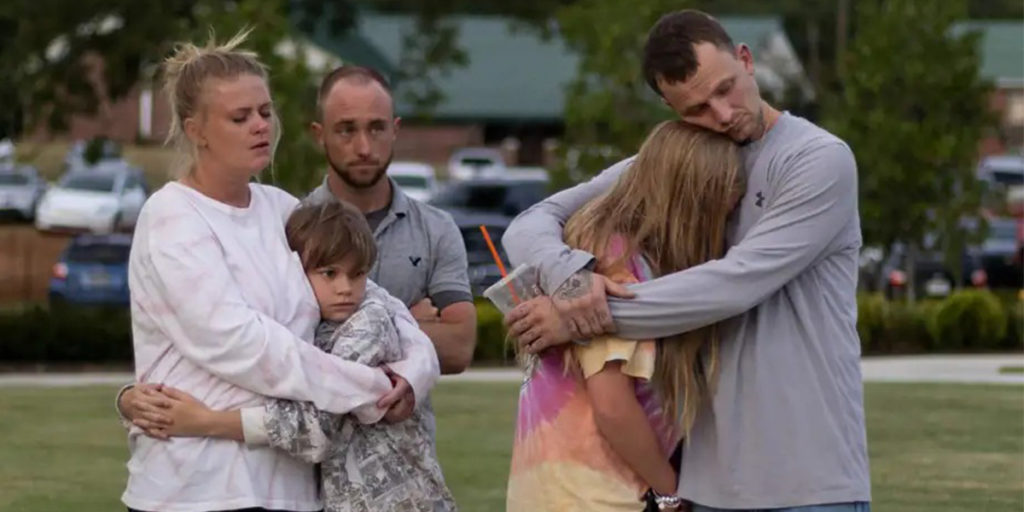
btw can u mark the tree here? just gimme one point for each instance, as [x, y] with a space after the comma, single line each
[609, 108]
[68, 58]
[297, 165]
[913, 108]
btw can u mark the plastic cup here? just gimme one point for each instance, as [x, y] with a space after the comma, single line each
[524, 280]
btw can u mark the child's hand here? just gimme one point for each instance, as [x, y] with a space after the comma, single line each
[189, 417]
[400, 401]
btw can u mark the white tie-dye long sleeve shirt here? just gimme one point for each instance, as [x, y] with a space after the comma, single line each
[222, 309]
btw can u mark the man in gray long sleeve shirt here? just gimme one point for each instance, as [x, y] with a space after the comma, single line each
[785, 429]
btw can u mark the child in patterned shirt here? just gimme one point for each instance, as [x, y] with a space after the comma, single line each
[381, 467]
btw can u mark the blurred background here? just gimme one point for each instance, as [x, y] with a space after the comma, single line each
[504, 103]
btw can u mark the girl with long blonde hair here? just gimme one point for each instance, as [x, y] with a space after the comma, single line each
[597, 422]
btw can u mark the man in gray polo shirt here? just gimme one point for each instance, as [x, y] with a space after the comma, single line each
[785, 429]
[422, 257]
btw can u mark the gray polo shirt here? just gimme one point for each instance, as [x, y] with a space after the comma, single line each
[420, 252]
[786, 425]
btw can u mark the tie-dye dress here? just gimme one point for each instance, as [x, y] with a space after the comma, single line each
[560, 461]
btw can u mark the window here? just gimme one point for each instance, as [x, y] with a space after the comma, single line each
[99, 253]
[89, 183]
[410, 181]
[13, 179]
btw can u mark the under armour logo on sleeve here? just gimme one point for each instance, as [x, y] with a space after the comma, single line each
[415, 261]
[760, 200]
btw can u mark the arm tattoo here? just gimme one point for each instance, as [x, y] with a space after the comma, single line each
[578, 285]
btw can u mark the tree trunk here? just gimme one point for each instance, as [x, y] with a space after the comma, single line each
[911, 272]
[814, 52]
[842, 15]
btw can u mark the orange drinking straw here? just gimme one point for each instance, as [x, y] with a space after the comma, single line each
[497, 259]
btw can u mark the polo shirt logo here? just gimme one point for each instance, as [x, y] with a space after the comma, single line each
[760, 200]
[415, 261]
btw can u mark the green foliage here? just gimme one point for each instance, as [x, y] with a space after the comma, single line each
[913, 112]
[133, 36]
[890, 327]
[1014, 325]
[46, 48]
[65, 334]
[491, 345]
[870, 320]
[969, 319]
[609, 108]
[905, 327]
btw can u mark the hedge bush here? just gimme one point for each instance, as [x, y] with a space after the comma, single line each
[491, 343]
[65, 334]
[969, 319]
[1014, 339]
[870, 320]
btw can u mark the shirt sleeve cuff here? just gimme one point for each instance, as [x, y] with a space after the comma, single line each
[117, 406]
[446, 298]
[254, 428]
[554, 275]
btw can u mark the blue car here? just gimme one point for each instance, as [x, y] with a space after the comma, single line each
[92, 270]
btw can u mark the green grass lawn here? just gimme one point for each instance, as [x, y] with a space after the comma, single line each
[933, 447]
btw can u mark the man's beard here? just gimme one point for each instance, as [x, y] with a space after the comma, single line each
[346, 176]
[759, 129]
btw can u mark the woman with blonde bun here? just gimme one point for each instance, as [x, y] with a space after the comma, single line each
[222, 309]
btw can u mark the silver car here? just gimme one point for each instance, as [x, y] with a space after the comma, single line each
[20, 190]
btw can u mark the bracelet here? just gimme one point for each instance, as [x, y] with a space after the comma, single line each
[671, 502]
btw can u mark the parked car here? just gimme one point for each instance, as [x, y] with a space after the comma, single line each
[1002, 171]
[103, 198]
[416, 179]
[6, 151]
[932, 276]
[483, 271]
[92, 269]
[469, 163]
[1000, 254]
[21, 188]
[507, 197]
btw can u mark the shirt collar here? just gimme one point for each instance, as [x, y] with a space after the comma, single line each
[399, 201]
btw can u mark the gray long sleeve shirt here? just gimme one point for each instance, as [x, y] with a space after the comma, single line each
[786, 425]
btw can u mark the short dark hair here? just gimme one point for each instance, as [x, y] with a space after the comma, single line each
[325, 233]
[358, 74]
[669, 52]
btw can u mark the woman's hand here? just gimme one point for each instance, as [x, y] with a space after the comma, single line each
[145, 405]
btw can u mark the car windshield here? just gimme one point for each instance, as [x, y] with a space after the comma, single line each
[1008, 177]
[99, 253]
[476, 161]
[1002, 230]
[410, 181]
[89, 182]
[13, 179]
